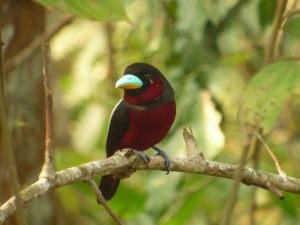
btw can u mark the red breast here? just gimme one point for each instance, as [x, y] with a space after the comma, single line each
[148, 127]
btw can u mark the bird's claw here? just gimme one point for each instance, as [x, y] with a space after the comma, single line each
[165, 157]
[142, 155]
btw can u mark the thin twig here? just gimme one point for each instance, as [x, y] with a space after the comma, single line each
[191, 146]
[287, 58]
[1, 68]
[253, 207]
[183, 197]
[48, 170]
[30, 49]
[289, 14]
[275, 191]
[6, 143]
[272, 47]
[109, 32]
[229, 208]
[93, 186]
[275, 160]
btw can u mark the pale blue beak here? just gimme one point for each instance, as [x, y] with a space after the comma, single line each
[129, 81]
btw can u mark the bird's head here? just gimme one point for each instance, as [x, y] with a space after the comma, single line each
[143, 84]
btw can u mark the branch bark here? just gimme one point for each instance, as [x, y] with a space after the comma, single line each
[104, 203]
[272, 47]
[48, 167]
[121, 161]
[6, 142]
[45, 37]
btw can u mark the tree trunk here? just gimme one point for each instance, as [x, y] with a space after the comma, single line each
[23, 21]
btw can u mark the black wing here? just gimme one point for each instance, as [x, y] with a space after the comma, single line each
[118, 126]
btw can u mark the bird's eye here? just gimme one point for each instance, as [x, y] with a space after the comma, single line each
[149, 78]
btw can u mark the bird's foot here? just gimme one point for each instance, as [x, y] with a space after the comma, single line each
[142, 155]
[165, 157]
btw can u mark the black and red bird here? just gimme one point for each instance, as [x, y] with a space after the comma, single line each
[141, 119]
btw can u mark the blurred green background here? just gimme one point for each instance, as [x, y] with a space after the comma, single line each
[209, 50]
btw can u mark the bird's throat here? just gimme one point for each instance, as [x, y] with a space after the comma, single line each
[150, 94]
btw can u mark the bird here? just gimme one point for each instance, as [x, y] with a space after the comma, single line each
[141, 119]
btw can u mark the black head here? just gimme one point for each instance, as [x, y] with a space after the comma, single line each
[144, 83]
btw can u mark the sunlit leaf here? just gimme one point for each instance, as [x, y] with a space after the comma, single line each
[103, 10]
[267, 93]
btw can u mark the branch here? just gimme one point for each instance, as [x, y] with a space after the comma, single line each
[256, 161]
[191, 146]
[181, 198]
[121, 161]
[231, 202]
[101, 199]
[109, 32]
[289, 14]
[28, 51]
[273, 156]
[272, 47]
[6, 143]
[48, 167]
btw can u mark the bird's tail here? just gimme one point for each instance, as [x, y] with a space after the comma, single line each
[108, 186]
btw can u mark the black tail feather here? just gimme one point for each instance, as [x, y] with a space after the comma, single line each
[108, 186]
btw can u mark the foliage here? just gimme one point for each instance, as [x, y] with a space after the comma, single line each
[98, 10]
[212, 52]
[292, 26]
[267, 93]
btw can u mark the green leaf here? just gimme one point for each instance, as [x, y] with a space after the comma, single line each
[289, 205]
[266, 12]
[267, 94]
[292, 26]
[102, 10]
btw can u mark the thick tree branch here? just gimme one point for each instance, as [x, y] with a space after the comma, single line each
[121, 161]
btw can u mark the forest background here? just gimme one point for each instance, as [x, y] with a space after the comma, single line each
[234, 67]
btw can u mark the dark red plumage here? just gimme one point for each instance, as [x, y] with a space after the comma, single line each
[140, 120]
[148, 95]
[148, 127]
